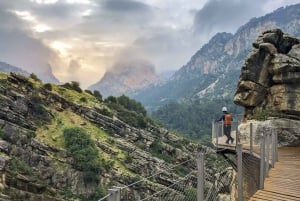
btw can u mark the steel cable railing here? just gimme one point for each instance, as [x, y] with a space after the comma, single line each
[244, 169]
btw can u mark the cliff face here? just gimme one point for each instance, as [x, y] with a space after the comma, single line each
[270, 77]
[269, 86]
[34, 164]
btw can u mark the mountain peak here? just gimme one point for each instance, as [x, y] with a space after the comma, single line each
[126, 77]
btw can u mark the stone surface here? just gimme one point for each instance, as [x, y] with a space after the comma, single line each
[51, 169]
[288, 131]
[270, 77]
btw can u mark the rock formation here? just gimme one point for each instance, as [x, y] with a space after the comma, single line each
[269, 84]
[31, 168]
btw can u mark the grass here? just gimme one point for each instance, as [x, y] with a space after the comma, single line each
[83, 98]
[52, 134]
[3, 76]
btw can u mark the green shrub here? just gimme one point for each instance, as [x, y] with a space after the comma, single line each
[34, 77]
[99, 193]
[18, 166]
[83, 99]
[128, 159]
[73, 86]
[105, 112]
[261, 115]
[98, 95]
[48, 86]
[191, 193]
[88, 91]
[83, 149]
[31, 134]
[38, 111]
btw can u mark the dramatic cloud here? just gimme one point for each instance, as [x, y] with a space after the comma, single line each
[229, 15]
[81, 39]
[225, 16]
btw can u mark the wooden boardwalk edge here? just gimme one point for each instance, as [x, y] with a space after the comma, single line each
[283, 183]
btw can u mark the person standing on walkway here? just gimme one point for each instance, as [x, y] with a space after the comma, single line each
[227, 119]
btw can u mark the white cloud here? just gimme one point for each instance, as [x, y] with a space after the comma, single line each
[93, 34]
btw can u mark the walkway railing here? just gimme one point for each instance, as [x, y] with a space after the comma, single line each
[210, 176]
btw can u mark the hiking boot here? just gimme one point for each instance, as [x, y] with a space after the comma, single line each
[232, 140]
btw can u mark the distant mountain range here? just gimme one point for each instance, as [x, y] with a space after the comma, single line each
[213, 71]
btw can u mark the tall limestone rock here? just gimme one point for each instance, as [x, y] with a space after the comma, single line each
[269, 85]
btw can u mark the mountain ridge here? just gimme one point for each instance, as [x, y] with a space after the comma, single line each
[223, 68]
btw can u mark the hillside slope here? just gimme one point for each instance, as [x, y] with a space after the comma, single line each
[62, 143]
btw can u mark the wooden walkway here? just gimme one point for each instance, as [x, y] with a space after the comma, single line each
[283, 182]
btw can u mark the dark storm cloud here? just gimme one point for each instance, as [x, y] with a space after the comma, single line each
[57, 10]
[225, 15]
[125, 11]
[125, 6]
[18, 47]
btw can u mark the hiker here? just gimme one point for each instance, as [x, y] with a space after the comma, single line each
[227, 119]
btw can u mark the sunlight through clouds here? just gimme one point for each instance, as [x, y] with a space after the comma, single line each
[97, 33]
[61, 47]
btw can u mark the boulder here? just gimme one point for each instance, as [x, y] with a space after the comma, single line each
[270, 76]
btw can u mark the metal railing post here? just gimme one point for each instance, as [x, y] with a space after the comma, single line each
[118, 194]
[222, 128]
[237, 137]
[200, 177]
[273, 149]
[276, 146]
[262, 162]
[217, 134]
[213, 131]
[112, 197]
[240, 171]
[268, 137]
[251, 138]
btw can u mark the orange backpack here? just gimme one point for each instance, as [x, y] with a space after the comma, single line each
[227, 119]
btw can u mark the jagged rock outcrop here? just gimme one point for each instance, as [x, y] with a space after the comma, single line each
[270, 77]
[269, 86]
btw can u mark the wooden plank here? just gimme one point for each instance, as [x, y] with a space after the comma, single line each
[283, 182]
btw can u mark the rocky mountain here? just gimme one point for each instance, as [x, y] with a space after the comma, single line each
[269, 87]
[212, 73]
[62, 143]
[7, 68]
[126, 77]
[46, 75]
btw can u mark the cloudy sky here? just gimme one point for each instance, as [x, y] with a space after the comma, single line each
[80, 39]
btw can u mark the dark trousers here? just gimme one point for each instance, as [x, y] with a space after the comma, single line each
[227, 131]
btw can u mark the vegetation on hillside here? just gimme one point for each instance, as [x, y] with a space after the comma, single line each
[193, 119]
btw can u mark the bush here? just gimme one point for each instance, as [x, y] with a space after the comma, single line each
[39, 112]
[83, 149]
[261, 115]
[73, 86]
[18, 166]
[83, 99]
[98, 95]
[34, 77]
[48, 86]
